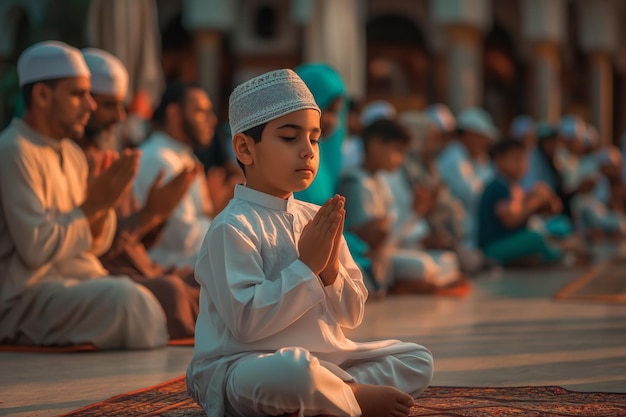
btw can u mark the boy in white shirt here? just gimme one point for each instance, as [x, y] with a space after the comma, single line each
[278, 283]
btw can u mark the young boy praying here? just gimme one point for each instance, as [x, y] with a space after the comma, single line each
[278, 284]
[505, 208]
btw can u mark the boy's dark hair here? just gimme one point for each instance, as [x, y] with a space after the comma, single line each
[174, 93]
[387, 131]
[27, 90]
[504, 146]
[256, 133]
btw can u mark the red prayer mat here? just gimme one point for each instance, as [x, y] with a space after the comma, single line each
[86, 347]
[170, 399]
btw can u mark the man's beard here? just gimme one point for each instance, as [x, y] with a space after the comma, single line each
[103, 139]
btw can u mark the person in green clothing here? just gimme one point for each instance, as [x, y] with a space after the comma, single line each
[505, 208]
[330, 94]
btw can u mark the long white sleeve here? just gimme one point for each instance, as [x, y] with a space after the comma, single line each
[348, 294]
[252, 305]
[458, 174]
[41, 236]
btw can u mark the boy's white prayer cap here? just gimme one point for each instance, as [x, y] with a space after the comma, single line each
[108, 74]
[572, 127]
[442, 116]
[377, 110]
[50, 60]
[479, 121]
[268, 97]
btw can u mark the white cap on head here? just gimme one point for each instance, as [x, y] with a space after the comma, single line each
[442, 116]
[268, 97]
[477, 120]
[572, 127]
[108, 74]
[50, 60]
[377, 110]
[521, 126]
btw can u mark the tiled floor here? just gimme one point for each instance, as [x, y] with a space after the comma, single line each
[508, 332]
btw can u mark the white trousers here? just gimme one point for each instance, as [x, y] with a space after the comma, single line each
[435, 267]
[109, 312]
[292, 380]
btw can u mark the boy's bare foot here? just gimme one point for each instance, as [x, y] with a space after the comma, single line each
[381, 401]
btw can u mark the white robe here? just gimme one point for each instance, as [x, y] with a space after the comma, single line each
[48, 259]
[184, 230]
[466, 180]
[369, 197]
[257, 297]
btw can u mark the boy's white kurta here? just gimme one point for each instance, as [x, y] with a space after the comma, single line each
[53, 288]
[257, 297]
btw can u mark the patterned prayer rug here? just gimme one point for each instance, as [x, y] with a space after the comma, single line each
[85, 347]
[605, 282]
[170, 399]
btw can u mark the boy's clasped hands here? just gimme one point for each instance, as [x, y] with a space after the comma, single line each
[321, 238]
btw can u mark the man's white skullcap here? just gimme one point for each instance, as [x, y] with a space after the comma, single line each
[521, 126]
[442, 116]
[50, 60]
[108, 74]
[377, 110]
[268, 97]
[478, 121]
[572, 127]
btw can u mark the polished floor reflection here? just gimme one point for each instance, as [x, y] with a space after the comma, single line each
[508, 332]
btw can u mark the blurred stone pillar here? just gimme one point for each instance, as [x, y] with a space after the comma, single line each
[335, 34]
[207, 20]
[599, 38]
[543, 26]
[465, 23]
[546, 81]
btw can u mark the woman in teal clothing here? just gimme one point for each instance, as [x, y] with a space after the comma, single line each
[330, 95]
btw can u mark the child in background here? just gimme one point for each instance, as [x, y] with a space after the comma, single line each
[278, 284]
[371, 214]
[505, 208]
[598, 213]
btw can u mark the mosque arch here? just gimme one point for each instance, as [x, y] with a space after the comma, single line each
[398, 61]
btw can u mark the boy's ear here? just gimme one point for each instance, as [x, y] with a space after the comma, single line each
[243, 147]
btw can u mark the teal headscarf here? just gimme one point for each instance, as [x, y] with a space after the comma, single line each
[326, 85]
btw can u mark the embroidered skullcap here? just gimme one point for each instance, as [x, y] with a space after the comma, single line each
[521, 126]
[377, 110]
[572, 127]
[108, 74]
[50, 60]
[442, 116]
[477, 120]
[268, 97]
